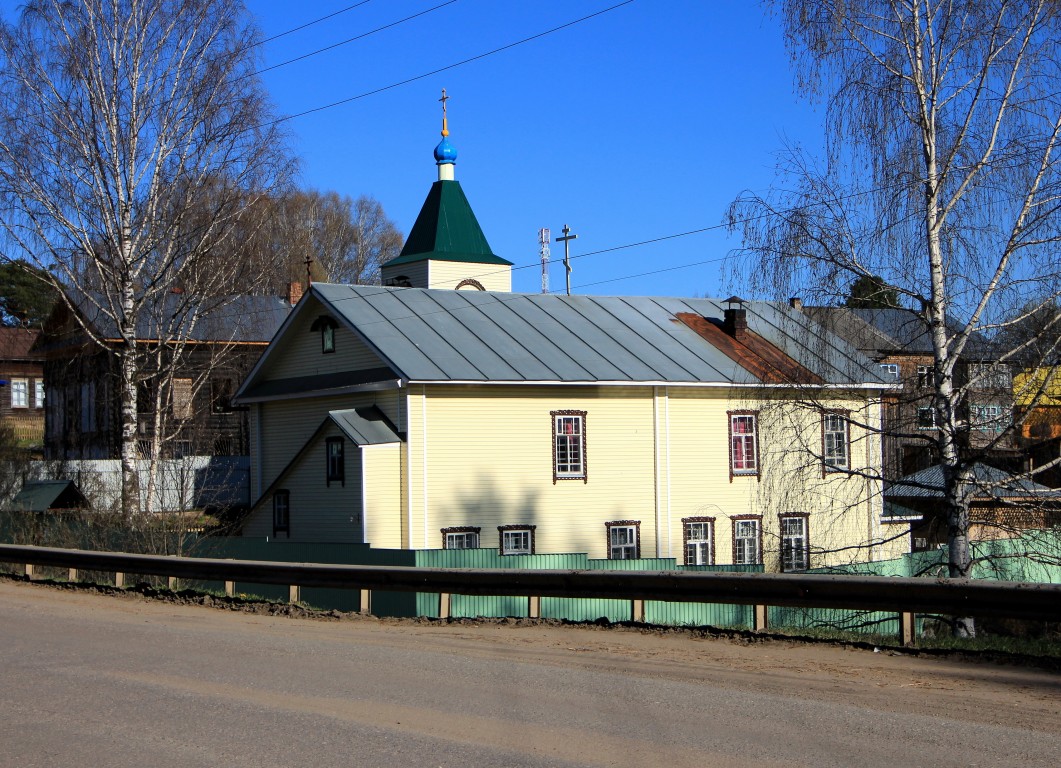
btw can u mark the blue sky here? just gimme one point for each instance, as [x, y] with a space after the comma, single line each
[637, 124]
[640, 123]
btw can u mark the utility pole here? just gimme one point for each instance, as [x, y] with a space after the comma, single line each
[566, 240]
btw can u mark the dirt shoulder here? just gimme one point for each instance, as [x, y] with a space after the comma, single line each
[975, 688]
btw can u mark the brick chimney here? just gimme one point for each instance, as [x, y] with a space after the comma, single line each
[735, 318]
[294, 293]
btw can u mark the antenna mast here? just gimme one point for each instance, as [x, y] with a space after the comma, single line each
[544, 237]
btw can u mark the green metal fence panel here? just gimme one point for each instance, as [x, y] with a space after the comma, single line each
[699, 614]
[642, 564]
[827, 620]
[582, 609]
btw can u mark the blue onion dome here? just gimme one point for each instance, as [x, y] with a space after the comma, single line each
[445, 152]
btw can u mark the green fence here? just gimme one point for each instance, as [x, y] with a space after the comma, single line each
[1005, 559]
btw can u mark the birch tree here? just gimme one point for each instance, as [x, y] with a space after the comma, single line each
[939, 176]
[117, 118]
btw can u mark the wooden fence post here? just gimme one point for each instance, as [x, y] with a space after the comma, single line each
[230, 588]
[907, 629]
[294, 594]
[761, 613]
[637, 610]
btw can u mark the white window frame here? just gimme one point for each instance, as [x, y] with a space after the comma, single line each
[926, 409]
[38, 393]
[747, 542]
[462, 540]
[988, 418]
[699, 542]
[924, 376]
[795, 543]
[746, 443]
[19, 393]
[624, 541]
[889, 370]
[836, 441]
[517, 541]
[569, 445]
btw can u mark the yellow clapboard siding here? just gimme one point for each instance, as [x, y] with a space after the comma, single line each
[298, 351]
[449, 274]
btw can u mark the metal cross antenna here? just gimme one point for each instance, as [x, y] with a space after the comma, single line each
[566, 240]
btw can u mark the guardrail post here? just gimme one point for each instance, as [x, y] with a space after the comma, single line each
[637, 610]
[760, 618]
[119, 580]
[366, 602]
[534, 607]
[230, 588]
[294, 594]
[445, 603]
[907, 629]
[29, 571]
[171, 583]
[72, 575]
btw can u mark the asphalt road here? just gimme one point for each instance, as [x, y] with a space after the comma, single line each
[95, 680]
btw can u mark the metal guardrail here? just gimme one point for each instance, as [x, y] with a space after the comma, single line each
[906, 596]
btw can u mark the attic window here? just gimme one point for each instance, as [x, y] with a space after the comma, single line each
[326, 326]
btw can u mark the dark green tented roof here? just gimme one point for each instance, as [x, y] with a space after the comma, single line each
[46, 495]
[446, 230]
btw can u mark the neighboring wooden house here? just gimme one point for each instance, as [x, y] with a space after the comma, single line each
[623, 427]
[22, 386]
[897, 340]
[82, 393]
[1003, 506]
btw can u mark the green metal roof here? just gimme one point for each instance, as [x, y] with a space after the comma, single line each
[45, 495]
[446, 230]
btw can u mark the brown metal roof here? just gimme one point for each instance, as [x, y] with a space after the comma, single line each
[752, 352]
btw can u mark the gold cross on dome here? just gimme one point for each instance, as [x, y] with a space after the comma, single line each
[444, 99]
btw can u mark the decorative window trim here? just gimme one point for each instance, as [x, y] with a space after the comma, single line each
[38, 393]
[758, 519]
[326, 325]
[461, 530]
[805, 517]
[282, 512]
[889, 371]
[470, 282]
[584, 474]
[827, 466]
[636, 525]
[686, 521]
[757, 473]
[925, 376]
[335, 464]
[503, 529]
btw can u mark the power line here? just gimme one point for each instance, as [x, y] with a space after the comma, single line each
[349, 40]
[445, 68]
[311, 23]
